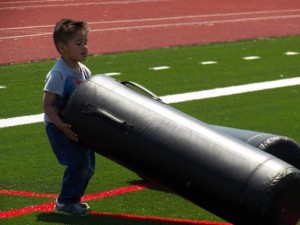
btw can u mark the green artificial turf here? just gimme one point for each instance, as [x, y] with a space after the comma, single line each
[28, 164]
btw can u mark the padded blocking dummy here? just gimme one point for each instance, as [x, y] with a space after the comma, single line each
[282, 147]
[210, 168]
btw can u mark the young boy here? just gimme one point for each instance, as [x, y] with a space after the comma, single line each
[70, 38]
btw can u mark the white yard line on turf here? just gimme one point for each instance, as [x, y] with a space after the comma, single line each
[213, 93]
[217, 92]
[22, 120]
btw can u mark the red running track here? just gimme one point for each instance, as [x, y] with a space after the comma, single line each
[124, 25]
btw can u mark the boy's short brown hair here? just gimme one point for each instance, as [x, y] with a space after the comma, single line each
[66, 28]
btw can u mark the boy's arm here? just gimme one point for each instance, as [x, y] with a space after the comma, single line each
[49, 109]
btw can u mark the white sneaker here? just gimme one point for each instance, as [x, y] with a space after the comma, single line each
[78, 209]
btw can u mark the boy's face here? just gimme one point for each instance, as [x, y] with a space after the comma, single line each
[76, 49]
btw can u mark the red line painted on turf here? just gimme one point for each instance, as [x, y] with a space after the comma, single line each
[159, 219]
[115, 192]
[27, 194]
[48, 207]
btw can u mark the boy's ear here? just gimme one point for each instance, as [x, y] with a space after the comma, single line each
[60, 47]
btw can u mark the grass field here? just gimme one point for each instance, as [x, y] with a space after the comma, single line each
[28, 164]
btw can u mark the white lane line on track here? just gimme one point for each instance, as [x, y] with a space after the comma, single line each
[60, 5]
[208, 22]
[26, 36]
[198, 95]
[166, 25]
[281, 12]
[26, 2]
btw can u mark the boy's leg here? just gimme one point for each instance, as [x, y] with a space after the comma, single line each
[80, 163]
[91, 162]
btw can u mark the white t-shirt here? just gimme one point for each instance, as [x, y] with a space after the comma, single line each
[63, 80]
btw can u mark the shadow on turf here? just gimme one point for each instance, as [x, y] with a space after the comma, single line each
[93, 220]
[98, 219]
[143, 181]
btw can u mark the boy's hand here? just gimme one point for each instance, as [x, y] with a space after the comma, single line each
[66, 128]
[49, 109]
